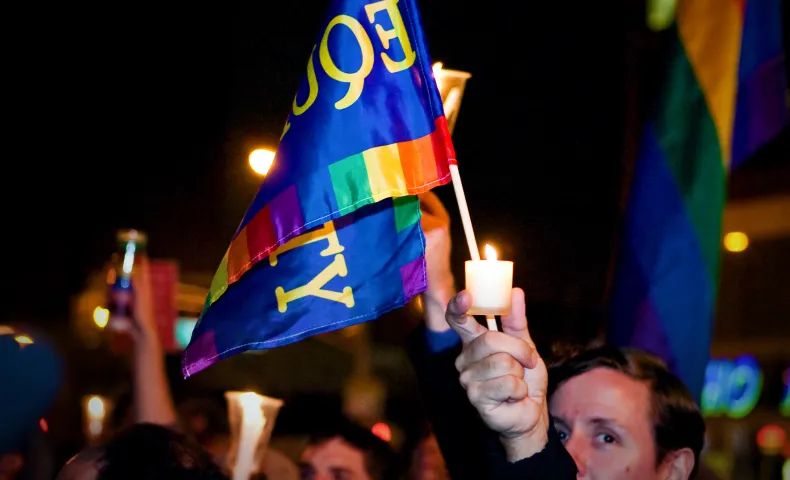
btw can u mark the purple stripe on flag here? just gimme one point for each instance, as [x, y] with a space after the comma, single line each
[760, 113]
[201, 353]
[414, 277]
[649, 333]
[286, 213]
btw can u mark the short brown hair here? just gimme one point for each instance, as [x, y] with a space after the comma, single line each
[381, 462]
[677, 421]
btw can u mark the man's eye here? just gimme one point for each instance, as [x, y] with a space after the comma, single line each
[606, 438]
[563, 436]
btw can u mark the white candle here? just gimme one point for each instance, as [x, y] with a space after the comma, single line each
[489, 282]
[252, 423]
[95, 410]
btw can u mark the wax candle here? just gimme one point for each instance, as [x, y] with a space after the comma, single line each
[252, 418]
[489, 282]
[252, 423]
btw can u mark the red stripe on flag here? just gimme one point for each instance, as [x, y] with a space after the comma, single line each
[261, 239]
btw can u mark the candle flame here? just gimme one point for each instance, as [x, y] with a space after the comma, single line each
[250, 402]
[490, 252]
[437, 68]
[96, 408]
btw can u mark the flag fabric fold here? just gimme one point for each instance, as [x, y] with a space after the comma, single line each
[722, 98]
[365, 134]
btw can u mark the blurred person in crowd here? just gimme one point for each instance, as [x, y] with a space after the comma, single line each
[205, 420]
[30, 378]
[144, 451]
[602, 413]
[151, 402]
[342, 450]
[427, 462]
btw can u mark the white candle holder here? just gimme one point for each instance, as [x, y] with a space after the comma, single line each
[251, 417]
[489, 282]
[95, 412]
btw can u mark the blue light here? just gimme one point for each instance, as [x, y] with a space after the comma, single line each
[183, 331]
[732, 387]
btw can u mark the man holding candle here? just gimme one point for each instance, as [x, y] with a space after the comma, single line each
[618, 414]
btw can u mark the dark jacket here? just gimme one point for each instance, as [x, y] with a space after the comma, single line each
[471, 450]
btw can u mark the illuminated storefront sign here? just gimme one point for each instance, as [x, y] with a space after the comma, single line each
[732, 387]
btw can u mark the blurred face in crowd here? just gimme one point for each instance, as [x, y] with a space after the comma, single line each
[428, 462]
[604, 419]
[333, 459]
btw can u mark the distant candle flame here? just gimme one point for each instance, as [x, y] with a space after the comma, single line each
[437, 68]
[96, 408]
[490, 252]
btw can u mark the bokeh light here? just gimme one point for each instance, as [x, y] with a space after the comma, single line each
[736, 242]
[261, 160]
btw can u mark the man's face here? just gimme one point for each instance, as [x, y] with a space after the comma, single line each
[333, 459]
[603, 417]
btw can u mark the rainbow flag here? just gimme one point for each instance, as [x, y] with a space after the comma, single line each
[722, 98]
[366, 134]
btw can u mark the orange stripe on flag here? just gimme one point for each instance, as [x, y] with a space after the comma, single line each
[419, 164]
[710, 31]
[239, 256]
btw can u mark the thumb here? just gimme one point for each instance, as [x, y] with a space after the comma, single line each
[515, 323]
[463, 324]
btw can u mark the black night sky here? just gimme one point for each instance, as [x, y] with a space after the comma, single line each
[142, 115]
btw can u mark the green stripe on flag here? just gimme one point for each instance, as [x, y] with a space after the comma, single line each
[688, 137]
[407, 212]
[350, 183]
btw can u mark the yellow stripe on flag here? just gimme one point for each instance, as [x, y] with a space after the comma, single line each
[710, 31]
[385, 172]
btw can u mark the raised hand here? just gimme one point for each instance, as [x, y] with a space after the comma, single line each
[504, 376]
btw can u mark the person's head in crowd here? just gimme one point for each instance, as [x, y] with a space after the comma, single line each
[343, 450]
[148, 451]
[622, 414]
[427, 462]
[205, 420]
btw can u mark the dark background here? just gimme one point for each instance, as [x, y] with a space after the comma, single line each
[142, 115]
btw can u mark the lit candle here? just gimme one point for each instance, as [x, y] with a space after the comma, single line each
[251, 418]
[252, 423]
[95, 410]
[489, 282]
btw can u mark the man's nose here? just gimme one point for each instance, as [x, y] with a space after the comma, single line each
[580, 452]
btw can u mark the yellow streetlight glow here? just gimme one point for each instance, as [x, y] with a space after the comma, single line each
[101, 316]
[261, 160]
[736, 242]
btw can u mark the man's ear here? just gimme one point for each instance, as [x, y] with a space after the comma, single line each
[677, 465]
